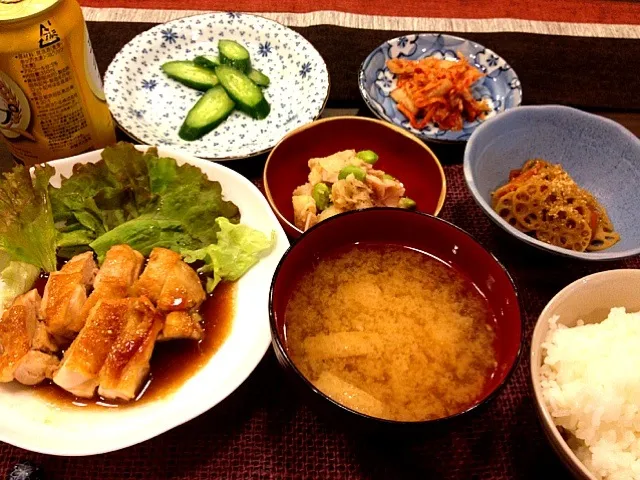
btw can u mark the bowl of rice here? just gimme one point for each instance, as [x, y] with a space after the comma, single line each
[585, 354]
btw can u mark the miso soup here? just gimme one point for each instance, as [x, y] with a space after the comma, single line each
[391, 332]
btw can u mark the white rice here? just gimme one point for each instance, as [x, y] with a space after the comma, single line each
[590, 381]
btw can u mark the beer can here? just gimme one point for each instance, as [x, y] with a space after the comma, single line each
[51, 100]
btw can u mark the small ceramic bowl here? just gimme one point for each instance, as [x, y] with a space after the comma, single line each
[426, 233]
[600, 155]
[401, 155]
[589, 299]
[500, 87]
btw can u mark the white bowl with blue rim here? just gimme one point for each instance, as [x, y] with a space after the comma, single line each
[600, 155]
[150, 107]
[500, 87]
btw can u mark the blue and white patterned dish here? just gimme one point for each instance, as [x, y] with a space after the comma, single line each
[151, 107]
[501, 86]
[600, 155]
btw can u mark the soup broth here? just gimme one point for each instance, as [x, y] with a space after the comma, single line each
[391, 332]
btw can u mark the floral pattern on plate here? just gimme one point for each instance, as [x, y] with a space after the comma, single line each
[500, 87]
[151, 107]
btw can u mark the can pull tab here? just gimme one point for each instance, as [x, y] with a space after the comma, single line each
[7, 114]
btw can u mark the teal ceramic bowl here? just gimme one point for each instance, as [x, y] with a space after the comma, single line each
[600, 155]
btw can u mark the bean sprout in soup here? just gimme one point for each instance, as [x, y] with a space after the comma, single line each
[391, 332]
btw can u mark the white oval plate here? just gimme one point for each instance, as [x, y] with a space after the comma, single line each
[150, 107]
[30, 422]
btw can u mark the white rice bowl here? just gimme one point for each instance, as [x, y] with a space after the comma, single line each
[590, 380]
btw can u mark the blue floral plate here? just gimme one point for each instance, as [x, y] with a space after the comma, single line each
[500, 87]
[150, 107]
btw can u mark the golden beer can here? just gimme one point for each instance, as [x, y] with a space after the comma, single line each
[51, 100]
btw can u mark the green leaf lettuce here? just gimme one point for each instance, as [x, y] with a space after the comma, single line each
[98, 197]
[143, 235]
[187, 195]
[16, 278]
[238, 248]
[114, 200]
[27, 232]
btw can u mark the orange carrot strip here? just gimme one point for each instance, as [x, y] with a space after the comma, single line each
[440, 90]
[593, 222]
[407, 113]
[502, 191]
[513, 174]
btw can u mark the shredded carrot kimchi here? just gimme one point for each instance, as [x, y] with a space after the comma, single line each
[439, 91]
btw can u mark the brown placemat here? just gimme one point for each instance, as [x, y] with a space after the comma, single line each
[264, 430]
[585, 72]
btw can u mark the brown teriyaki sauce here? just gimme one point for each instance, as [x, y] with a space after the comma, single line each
[172, 363]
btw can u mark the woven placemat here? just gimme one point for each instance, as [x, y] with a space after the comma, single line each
[583, 72]
[265, 431]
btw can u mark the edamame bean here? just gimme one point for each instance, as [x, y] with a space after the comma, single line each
[321, 195]
[352, 169]
[368, 156]
[407, 203]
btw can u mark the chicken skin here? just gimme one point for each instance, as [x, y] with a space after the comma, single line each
[16, 331]
[83, 360]
[65, 295]
[120, 269]
[25, 347]
[112, 351]
[106, 322]
[174, 287]
[127, 364]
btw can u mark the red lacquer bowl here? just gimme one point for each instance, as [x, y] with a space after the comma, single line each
[411, 229]
[401, 155]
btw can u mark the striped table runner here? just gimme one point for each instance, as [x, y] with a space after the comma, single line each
[591, 18]
[583, 53]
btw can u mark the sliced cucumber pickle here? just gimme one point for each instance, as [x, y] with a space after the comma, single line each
[207, 61]
[190, 74]
[208, 112]
[259, 78]
[247, 95]
[233, 54]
